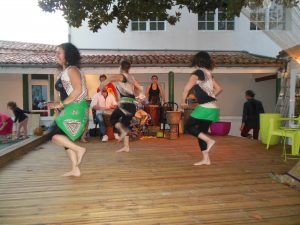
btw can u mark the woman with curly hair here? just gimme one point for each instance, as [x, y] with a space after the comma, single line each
[73, 107]
[206, 88]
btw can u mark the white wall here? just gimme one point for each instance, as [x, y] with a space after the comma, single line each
[11, 89]
[183, 36]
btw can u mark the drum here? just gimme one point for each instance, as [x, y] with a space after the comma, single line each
[108, 125]
[154, 112]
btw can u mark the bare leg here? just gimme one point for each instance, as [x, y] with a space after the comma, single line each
[122, 129]
[18, 130]
[210, 142]
[75, 169]
[126, 145]
[24, 124]
[64, 141]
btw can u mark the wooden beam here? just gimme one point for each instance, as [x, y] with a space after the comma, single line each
[269, 77]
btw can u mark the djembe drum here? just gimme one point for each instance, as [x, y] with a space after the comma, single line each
[108, 125]
[154, 112]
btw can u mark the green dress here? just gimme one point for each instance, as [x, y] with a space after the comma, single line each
[73, 118]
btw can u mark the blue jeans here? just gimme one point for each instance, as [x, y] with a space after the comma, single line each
[100, 120]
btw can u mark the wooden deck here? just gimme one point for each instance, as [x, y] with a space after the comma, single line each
[155, 184]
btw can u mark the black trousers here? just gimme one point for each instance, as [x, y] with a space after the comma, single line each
[124, 116]
[195, 127]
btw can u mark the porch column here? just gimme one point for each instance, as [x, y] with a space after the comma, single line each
[171, 86]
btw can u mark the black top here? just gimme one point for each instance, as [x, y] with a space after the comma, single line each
[20, 114]
[252, 109]
[201, 95]
[154, 96]
[60, 88]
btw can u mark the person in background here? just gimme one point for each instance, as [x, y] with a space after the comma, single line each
[6, 124]
[102, 102]
[251, 110]
[21, 119]
[71, 121]
[206, 88]
[154, 92]
[110, 87]
[128, 89]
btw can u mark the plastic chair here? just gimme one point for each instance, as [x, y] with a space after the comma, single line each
[275, 130]
[168, 106]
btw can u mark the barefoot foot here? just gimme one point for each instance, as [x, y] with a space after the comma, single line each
[75, 173]
[124, 149]
[203, 162]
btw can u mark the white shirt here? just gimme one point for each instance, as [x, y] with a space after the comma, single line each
[99, 101]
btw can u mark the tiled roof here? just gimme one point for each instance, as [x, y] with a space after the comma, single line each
[18, 53]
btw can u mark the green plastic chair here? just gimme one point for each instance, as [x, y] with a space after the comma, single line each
[294, 135]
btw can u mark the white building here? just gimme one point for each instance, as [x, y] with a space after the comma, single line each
[155, 47]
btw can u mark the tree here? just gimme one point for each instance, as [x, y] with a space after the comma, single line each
[103, 12]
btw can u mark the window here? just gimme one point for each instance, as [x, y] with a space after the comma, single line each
[215, 20]
[258, 19]
[138, 25]
[154, 24]
[273, 18]
[39, 94]
[206, 21]
[223, 23]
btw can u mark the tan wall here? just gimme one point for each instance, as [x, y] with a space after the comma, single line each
[11, 89]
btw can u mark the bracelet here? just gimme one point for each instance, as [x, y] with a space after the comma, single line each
[62, 104]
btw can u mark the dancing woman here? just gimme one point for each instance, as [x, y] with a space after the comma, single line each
[206, 88]
[128, 88]
[71, 121]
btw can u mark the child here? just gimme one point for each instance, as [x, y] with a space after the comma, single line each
[20, 117]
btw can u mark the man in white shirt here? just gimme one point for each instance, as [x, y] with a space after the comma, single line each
[103, 101]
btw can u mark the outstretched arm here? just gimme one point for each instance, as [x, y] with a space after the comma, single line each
[110, 79]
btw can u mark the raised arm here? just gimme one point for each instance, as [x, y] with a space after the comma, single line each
[113, 78]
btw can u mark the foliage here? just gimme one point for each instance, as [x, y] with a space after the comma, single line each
[103, 12]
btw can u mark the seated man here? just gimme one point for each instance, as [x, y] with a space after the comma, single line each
[101, 102]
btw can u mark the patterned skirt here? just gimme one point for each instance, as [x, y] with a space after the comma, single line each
[73, 118]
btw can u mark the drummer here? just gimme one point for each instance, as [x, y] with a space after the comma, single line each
[103, 102]
[154, 92]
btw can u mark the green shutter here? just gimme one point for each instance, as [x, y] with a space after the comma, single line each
[51, 91]
[25, 92]
[171, 86]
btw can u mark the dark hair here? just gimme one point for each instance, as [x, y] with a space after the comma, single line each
[12, 104]
[203, 59]
[125, 65]
[154, 76]
[72, 55]
[250, 93]
[103, 76]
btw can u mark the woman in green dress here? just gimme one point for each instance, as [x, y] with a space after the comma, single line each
[73, 107]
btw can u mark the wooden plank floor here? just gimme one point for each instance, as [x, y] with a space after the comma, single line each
[155, 183]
